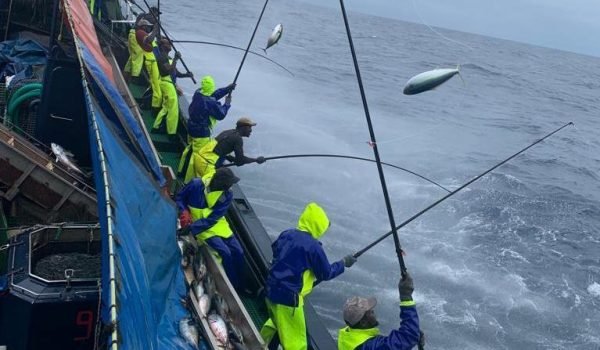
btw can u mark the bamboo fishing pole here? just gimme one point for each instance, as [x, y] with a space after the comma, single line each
[170, 41]
[362, 251]
[249, 43]
[287, 156]
[386, 195]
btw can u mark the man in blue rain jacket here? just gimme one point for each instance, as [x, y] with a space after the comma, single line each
[299, 263]
[204, 111]
[202, 206]
[362, 333]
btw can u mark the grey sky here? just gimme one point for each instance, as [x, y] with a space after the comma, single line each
[572, 25]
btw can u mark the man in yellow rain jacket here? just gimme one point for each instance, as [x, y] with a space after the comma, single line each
[145, 36]
[299, 262]
[362, 333]
[202, 205]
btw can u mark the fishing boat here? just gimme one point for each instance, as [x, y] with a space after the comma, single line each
[89, 255]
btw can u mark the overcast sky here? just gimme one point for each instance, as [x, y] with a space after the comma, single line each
[571, 25]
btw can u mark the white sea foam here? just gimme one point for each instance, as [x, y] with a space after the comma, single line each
[594, 289]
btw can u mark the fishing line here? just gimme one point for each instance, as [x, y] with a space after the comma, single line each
[170, 41]
[362, 251]
[288, 156]
[233, 47]
[414, 3]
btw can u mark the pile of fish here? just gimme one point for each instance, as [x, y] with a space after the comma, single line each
[212, 307]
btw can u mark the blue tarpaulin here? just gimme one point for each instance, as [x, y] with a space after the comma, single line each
[17, 56]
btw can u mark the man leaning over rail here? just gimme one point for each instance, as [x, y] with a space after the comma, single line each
[202, 206]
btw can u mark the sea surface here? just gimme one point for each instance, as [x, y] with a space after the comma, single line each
[512, 261]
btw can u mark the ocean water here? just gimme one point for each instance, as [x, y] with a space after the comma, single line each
[511, 262]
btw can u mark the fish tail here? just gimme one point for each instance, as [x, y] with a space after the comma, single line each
[265, 50]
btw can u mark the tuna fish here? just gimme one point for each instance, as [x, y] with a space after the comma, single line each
[235, 334]
[65, 157]
[204, 304]
[189, 331]
[220, 306]
[219, 329]
[198, 289]
[274, 37]
[199, 267]
[429, 80]
[209, 285]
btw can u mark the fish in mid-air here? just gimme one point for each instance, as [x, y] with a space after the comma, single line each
[274, 37]
[65, 157]
[429, 80]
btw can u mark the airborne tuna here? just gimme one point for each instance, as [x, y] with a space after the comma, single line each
[275, 36]
[429, 80]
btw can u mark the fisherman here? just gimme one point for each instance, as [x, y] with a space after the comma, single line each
[204, 111]
[362, 333]
[299, 262]
[202, 205]
[169, 89]
[134, 64]
[216, 151]
[146, 38]
[151, 16]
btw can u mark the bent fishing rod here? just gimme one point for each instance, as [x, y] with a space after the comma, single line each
[386, 196]
[350, 157]
[362, 251]
[249, 43]
[170, 41]
[232, 47]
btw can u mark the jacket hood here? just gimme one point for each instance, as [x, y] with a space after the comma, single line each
[207, 86]
[313, 220]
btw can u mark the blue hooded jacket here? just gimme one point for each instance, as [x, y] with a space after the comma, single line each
[299, 261]
[205, 108]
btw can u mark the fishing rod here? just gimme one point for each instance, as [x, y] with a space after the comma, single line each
[362, 251]
[232, 47]
[349, 157]
[386, 195]
[249, 43]
[170, 41]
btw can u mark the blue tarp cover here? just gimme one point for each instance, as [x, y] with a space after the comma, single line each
[17, 56]
[149, 277]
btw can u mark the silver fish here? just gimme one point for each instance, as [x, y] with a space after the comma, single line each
[274, 37]
[191, 245]
[209, 285]
[199, 267]
[204, 303]
[218, 328]
[184, 258]
[235, 334]
[197, 288]
[189, 331]
[429, 80]
[221, 306]
[64, 157]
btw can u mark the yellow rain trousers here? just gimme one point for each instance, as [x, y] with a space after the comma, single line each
[204, 160]
[195, 144]
[136, 56]
[153, 73]
[287, 321]
[170, 106]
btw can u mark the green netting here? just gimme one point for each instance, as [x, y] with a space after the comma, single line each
[257, 309]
